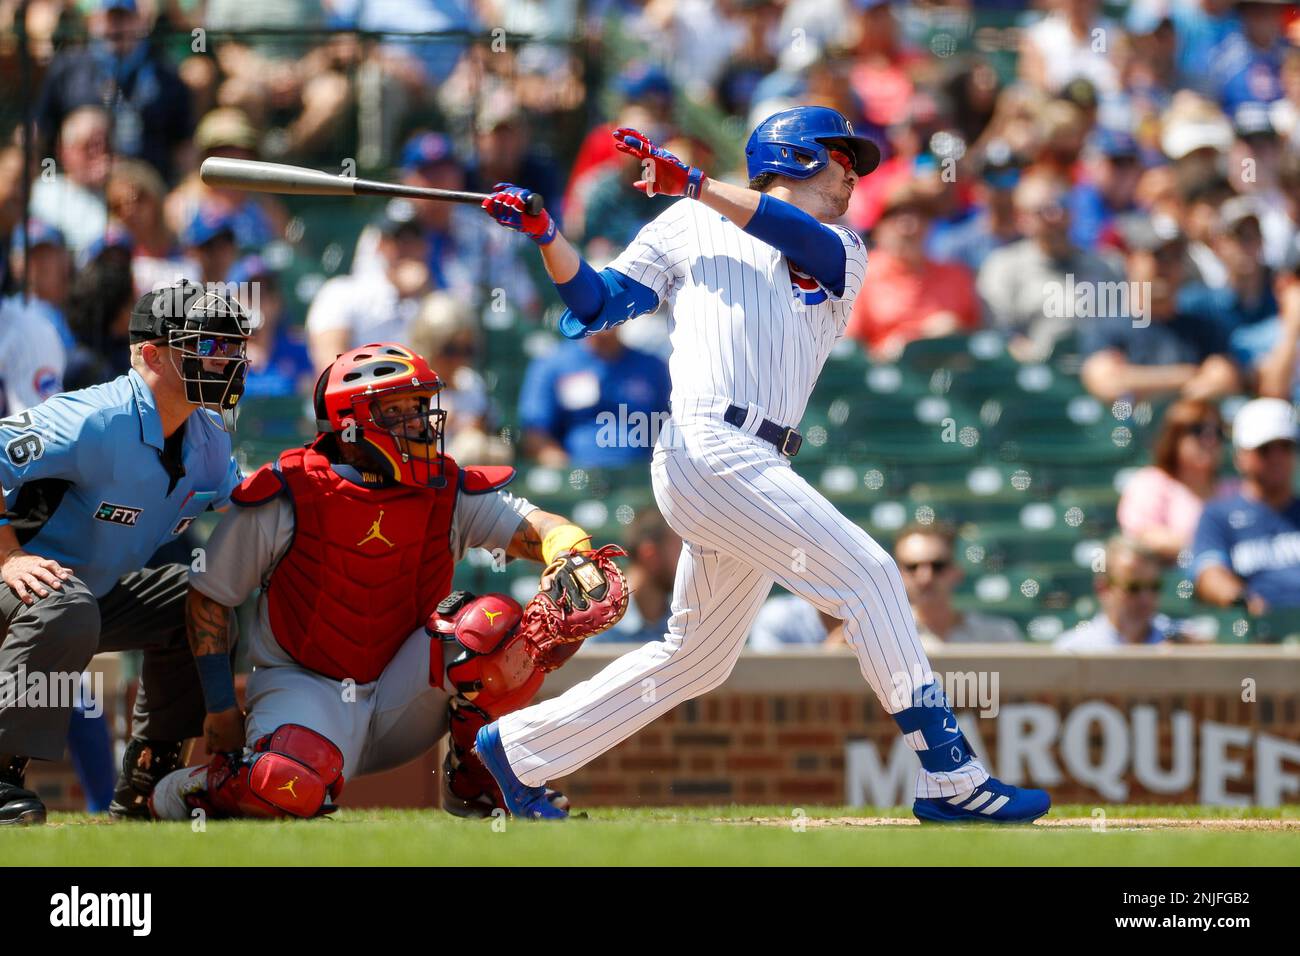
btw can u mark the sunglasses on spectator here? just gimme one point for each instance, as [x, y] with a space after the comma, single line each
[1135, 587]
[1206, 430]
[937, 567]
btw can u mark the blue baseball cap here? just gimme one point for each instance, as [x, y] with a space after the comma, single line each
[127, 5]
[39, 233]
[644, 79]
[207, 224]
[426, 149]
[1112, 142]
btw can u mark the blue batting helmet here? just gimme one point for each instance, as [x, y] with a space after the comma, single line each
[794, 143]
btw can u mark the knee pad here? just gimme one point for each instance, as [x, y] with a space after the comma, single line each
[290, 773]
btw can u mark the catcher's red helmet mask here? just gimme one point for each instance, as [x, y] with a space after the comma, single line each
[359, 400]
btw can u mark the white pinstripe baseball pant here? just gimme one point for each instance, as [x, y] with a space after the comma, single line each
[747, 520]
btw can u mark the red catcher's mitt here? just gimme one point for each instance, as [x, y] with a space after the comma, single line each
[587, 594]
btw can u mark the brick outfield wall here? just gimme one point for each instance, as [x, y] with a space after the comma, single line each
[777, 731]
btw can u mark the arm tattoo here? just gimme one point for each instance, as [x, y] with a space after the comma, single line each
[207, 624]
[527, 542]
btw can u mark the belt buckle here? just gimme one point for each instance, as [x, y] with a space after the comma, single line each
[791, 443]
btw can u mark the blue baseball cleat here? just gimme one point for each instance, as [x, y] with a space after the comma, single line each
[530, 803]
[991, 802]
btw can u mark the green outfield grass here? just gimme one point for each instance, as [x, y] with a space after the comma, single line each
[687, 836]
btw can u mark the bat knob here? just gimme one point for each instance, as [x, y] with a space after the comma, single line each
[535, 203]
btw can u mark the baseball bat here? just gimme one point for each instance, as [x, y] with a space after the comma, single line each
[260, 177]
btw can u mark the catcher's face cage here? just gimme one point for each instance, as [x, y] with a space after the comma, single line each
[213, 364]
[407, 437]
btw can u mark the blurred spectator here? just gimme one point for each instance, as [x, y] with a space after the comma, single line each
[653, 549]
[447, 336]
[99, 310]
[1238, 243]
[377, 305]
[1128, 592]
[1247, 546]
[135, 195]
[1247, 63]
[1160, 346]
[884, 67]
[464, 253]
[1063, 46]
[993, 224]
[11, 209]
[907, 296]
[1195, 135]
[121, 70]
[926, 556]
[1270, 349]
[71, 197]
[258, 217]
[786, 620]
[1254, 162]
[1201, 195]
[1162, 503]
[45, 273]
[32, 357]
[1201, 25]
[1016, 280]
[908, 141]
[1111, 178]
[647, 106]
[209, 239]
[280, 80]
[613, 211]
[505, 153]
[278, 363]
[592, 403]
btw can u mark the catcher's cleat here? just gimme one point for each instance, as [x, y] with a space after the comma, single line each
[143, 765]
[180, 793]
[530, 803]
[18, 806]
[991, 802]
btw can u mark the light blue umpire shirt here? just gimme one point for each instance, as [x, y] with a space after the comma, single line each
[87, 481]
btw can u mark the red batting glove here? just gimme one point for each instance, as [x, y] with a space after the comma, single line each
[664, 173]
[507, 206]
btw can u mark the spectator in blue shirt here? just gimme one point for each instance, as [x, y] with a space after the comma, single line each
[1113, 172]
[1158, 346]
[279, 365]
[1247, 546]
[994, 223]
[1247, 64]
[120, 70]
[94, 482]
[593, 403]
[1269, 350]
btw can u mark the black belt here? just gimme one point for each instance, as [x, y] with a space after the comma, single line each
[787, 440]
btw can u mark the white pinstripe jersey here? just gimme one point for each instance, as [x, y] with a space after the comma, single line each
[745, 327]
[32, 357]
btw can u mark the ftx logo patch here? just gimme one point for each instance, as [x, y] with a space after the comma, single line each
[118, 514]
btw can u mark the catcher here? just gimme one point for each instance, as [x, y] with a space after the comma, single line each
[362, 660]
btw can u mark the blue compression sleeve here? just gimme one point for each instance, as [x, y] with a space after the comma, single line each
[584, 294]
[816, 248]
[217, 681]
[621, 299]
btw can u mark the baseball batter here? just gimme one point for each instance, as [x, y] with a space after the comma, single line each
[761, 285]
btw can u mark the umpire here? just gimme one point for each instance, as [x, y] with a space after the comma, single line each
[94, 482]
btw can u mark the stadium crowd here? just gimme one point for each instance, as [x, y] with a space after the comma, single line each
[1114, 184]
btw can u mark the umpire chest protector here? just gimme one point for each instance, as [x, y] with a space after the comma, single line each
[364, 570]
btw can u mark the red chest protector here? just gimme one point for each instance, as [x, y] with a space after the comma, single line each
[366, 567]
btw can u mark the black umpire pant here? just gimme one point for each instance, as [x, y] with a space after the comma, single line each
[61, 632]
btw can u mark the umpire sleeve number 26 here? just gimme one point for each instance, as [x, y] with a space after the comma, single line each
[28, 446]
